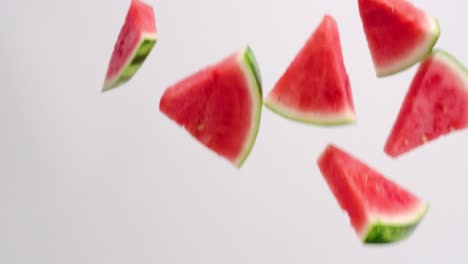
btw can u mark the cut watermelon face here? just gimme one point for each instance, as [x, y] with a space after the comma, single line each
[380, 210]
[435, 104]
[220, 105]
[315, 88]
[398, 34]
[136, 40]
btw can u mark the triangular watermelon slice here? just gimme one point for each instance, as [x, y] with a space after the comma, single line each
[380, 210]
[435, 104]
[315, 88]
[136, 40]
[220, 105]
[398, 34]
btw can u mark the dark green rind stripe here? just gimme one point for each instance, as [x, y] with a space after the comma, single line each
[143, 51]
[382, 233]
[251, 62]
[140, 57]
[250, 58]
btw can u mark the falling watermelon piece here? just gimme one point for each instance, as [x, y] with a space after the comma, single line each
[220, 105]
[435, 104]
[136, 40]
[380, 210]
[315, 88]
[398, 34]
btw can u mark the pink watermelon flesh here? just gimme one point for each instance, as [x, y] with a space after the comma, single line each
[380, 210]
[315, 88]
[220, 105]
[435, 104]
[136, 40]
[398, 34]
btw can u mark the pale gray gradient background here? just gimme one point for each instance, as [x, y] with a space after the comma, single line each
[99, 178]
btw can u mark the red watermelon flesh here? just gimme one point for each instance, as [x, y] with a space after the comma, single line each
[315, 88]
[220, 105]
[398, 34]
[380, 210]
[435, 104]
[135, 41]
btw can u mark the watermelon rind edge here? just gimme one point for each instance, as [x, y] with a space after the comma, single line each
[342, 118]
[382, 231]
[249, 66]
[133, 63]
[418, 54]
[453, 63]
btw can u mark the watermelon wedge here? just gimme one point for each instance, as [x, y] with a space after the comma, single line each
[435, 104]
[315, 88]
[220, 105]
[136, 40]
[398, 34]
[380, 210]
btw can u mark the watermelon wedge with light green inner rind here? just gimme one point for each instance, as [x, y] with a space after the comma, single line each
[398, 34]
[315, 88]
[220, 105]
[380, 210]
[436, 104]
[136, 40]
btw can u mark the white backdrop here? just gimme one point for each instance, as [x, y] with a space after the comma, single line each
[99, 178]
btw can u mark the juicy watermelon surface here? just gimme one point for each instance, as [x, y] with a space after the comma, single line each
[380, 210]
[315, 88]
[398, 33]
[435, 104]
[220, 105]
[136, 39]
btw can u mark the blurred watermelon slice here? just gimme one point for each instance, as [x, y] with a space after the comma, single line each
[398, 34]
[380, 210]
[220, 105]
[436, 104]
[315, 88]
[136, 40]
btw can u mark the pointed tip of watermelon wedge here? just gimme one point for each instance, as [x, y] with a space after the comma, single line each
[423, 50]
[395, 229]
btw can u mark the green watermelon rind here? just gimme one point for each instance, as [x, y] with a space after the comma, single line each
[453, 63]
[382, 231]
[249, 66]
[342, 118]
[250, 58]
[419, 54]
[133, 63]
